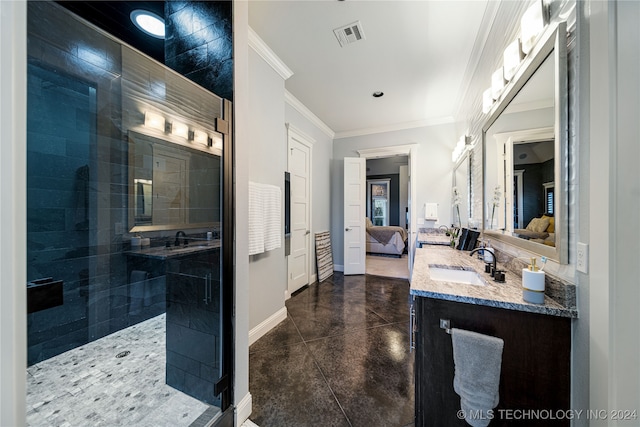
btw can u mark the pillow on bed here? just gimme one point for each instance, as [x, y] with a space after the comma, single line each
[369, 223]
[538, 225]
[552, 224]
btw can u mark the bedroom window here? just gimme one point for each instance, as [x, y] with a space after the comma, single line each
[549, 197]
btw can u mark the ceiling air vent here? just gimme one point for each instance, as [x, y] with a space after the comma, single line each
[349, 33]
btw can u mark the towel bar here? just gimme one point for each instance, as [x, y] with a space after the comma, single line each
[446, 325]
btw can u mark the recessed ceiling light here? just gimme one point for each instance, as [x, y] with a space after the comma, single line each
[377, 94]
[148, 22]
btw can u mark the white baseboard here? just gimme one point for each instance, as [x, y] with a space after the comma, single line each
[243, 410]
[337, 267]
[266, 325]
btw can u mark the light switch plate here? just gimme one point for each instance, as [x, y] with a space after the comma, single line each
[582, 257]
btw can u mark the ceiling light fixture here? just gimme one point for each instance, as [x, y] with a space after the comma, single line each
[377, 94]
[148, 22]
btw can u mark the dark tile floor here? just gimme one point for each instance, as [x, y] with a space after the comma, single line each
[341, 358]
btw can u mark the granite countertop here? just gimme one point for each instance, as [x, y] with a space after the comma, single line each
[161, 252]
[503, 295]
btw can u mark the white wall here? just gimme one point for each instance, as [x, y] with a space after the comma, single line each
[267, 163]
[270, 108]
[610, 107]
[434, 174]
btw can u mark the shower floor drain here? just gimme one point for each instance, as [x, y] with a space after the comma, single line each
[123, 354]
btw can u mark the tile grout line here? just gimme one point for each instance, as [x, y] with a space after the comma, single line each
[315, 361]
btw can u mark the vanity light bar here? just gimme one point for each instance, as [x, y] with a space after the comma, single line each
[177, 128]
[464, 143]
[532, 24]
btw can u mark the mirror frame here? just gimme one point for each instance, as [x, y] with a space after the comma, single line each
[552, 41]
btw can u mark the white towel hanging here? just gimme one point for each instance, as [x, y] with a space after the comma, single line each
[256, 219]
[272, 217]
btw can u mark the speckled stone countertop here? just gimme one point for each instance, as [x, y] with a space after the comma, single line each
[161, 252]
[503, 295]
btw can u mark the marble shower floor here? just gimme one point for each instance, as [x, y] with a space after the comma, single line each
[91, 386]
[341, 358]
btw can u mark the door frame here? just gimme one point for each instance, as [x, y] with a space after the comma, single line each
[294, 133]
[410, 150]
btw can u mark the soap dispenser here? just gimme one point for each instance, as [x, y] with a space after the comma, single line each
[533, 283]
[487, 255]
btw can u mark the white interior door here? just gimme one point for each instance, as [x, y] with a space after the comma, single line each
[355, 178]
[299, 166]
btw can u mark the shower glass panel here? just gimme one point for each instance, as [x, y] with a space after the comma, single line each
[127, 304]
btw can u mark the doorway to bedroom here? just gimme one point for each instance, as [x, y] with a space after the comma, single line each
[387, 216]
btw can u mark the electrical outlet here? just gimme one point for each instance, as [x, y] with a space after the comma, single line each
[582, 257]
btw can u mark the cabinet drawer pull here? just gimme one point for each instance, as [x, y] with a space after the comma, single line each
[412, 328]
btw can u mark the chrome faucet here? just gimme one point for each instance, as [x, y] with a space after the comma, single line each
[184, 238]
[494, 266]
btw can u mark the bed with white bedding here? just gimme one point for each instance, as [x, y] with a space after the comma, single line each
[387, 240]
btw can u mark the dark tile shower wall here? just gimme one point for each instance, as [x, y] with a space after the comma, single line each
[199, 44]
[77, 183]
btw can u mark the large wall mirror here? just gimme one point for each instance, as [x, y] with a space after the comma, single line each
[525, 154]
[171, 186]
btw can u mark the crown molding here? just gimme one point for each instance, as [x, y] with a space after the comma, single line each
[395, 127]
[302, 109]
[265, 52]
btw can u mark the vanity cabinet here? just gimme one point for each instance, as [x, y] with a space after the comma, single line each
[535, 372]
[193, 325]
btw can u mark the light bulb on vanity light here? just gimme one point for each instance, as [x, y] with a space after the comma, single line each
[200, 137]
[154, 121]
[180, 129]
[511, 59]
[531, 25]
[497, 83]
[487, 101]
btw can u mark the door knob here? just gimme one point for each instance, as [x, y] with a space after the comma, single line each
[307, 232]
[347, 229]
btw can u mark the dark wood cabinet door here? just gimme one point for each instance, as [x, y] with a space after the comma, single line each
[535, 372]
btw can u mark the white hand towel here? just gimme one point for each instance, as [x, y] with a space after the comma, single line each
[272, 217]
[431, 211]
[478, 360]
[256, 218]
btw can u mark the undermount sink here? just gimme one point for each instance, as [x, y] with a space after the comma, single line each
[456, 275]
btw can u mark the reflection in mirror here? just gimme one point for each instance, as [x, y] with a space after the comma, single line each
[172, 186]
[523, 155]
[460, 197]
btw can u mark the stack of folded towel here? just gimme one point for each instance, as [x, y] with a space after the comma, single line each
[478, 359]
